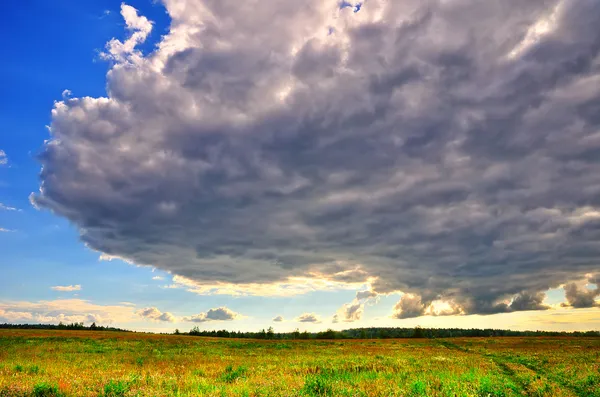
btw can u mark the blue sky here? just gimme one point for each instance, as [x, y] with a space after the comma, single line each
[276, 156]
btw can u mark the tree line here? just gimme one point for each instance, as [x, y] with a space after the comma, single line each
[61, 325]
[381, 333]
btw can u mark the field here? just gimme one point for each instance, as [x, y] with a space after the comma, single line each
[85, 363]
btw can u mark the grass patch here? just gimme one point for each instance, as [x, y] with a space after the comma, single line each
[115, 389]
[318, 385]
[46, 390]
[231, 375]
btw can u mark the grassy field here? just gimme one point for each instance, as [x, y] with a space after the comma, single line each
[85, 363]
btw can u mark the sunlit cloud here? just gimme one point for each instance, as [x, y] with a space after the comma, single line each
[66, 288]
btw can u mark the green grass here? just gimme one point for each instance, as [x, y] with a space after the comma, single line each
[36, 363]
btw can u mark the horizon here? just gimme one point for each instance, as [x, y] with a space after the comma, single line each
[319, 165]
[248, 334]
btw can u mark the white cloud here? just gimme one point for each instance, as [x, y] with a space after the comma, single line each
[140, 27]
[67, 288]
[65, 310]
[152, 313]
[292, 286]
[3, 158]
[278, 319]
[354, 310]
[2, 230]
[8, 208]
[158, 278]
[218, 314]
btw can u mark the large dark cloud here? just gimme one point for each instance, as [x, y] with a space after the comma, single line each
[449, 148]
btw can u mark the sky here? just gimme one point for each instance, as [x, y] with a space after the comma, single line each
[321, 164]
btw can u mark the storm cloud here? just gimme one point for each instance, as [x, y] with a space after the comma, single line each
[580, 297]
[445, 149]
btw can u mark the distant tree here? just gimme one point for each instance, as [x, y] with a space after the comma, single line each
[296, 333]
[418, 332]
[93, 326]
[262, 334]
[270, 333]
[177, 331]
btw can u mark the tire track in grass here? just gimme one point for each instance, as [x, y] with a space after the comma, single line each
[502, 364]
[504, 369]
[555, 378]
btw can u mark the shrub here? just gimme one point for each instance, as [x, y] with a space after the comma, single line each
[318, 385]
[231, 375]
[46, 390]
[115, 389]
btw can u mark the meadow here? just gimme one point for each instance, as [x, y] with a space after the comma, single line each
[51, 363]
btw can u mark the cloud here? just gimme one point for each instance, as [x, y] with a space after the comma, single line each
[581, 297]
[354, 310]
[365, 294]
[124, 52]
[290, 287]
[308, 318]
[3, 158]
[158, 278]
[349, 312]
[152, 313]
[218, 314]
[67, 288]
[65, 310]
[278, 319]
[2, 230]
[7, 208]
[444, 149]
[528, 301]
[409, 306]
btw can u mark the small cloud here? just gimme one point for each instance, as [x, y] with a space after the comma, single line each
[67, 288]
[2, 230]
[7, 208]
[152, 313]
[158, 278]
[278, 319]
[366, 294]
[3, 158]
[308, 318]
[218, 314]
[32, 201]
